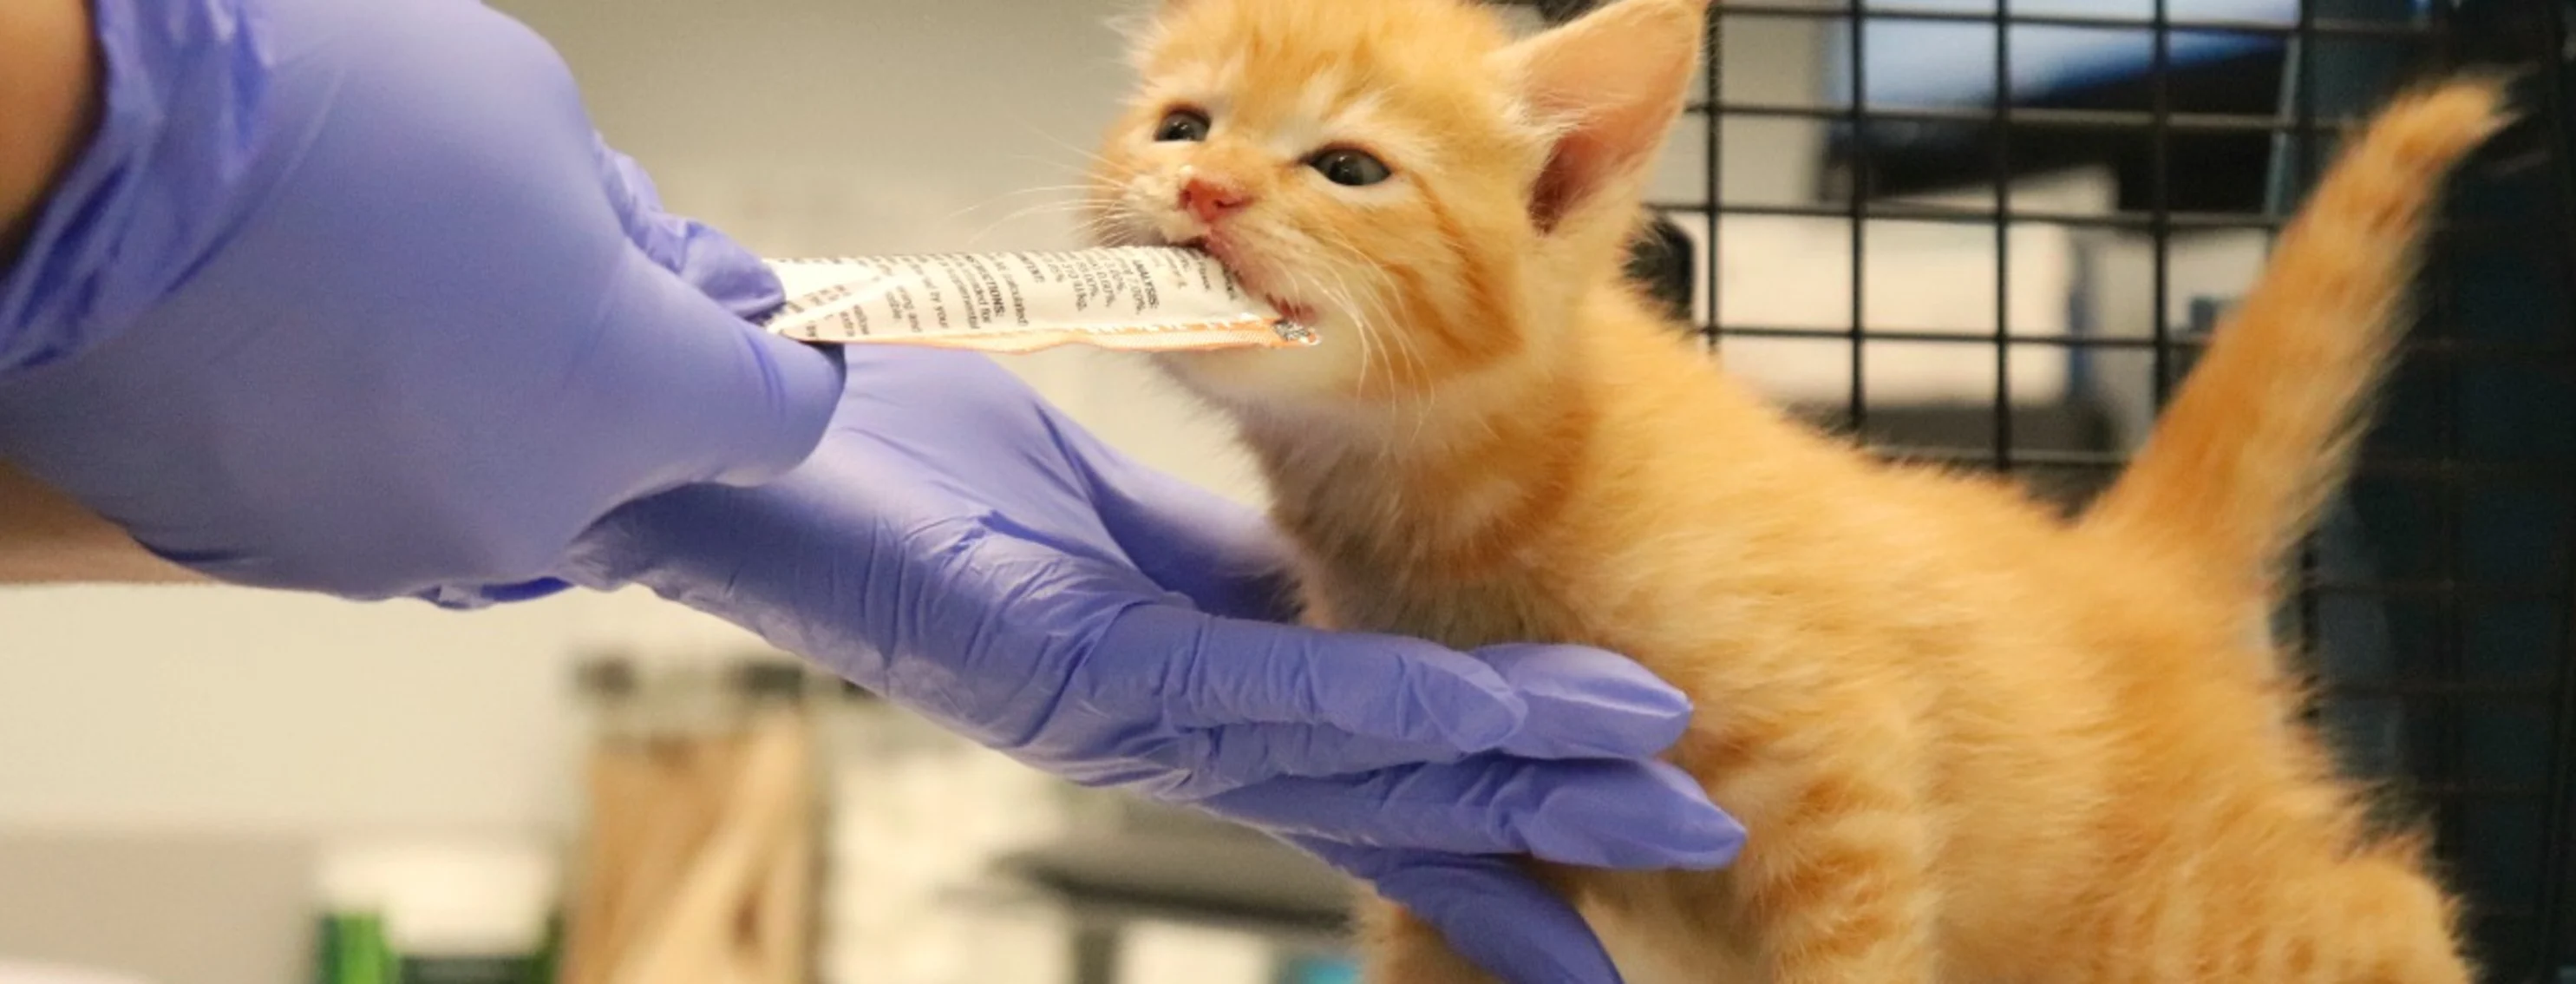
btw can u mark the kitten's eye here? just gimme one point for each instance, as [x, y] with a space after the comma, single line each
[1350, 168]
[1182, 125]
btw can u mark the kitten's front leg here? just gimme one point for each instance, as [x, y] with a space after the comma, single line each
[1834, 886]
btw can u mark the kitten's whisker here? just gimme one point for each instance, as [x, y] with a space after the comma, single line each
[1368, 348]
[1087, 154]
[1342, 241]
[1363, 315]
[1368, 336]
[1102, 221]
[1396, 337]
[1095, 215]
[1032, 190]
[1399, 343]
[1114, 219]
[1360, 317]
[1366, 318]
[1052, 163]
[1042, 208]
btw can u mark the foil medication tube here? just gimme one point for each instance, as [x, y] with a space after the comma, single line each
[1158, 299]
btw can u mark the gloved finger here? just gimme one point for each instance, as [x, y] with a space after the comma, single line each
[1217, 672]
[722, 401]
[1593, 814]
[1489, 910]
[1234, 757]
[630, 189]
[1586, 703]
[707, 259]
[1583, 703]
[1224, 556]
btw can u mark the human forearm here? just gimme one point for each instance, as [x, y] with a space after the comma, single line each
[48, 104]
[46, 538]
[350, 298]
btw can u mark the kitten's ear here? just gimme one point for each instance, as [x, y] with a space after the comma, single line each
[1610, 85]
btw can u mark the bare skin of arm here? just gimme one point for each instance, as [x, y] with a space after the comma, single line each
[49, 85]
[46, 538]
[49, 90]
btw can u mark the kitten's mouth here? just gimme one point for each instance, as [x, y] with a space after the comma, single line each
[1295, 312]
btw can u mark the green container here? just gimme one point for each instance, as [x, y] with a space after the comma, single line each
[353, 950]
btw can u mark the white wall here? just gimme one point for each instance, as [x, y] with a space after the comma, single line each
[266, 713]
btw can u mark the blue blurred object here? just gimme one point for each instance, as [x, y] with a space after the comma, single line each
[1931, 63]
[1321, 970]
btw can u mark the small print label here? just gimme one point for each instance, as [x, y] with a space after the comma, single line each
[1140, 298]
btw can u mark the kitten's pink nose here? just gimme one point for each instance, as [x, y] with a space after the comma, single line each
[1211, 200]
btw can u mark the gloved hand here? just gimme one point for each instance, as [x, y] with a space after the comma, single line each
[348, 297]
[958, 546]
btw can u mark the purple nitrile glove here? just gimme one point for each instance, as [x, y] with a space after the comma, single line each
[1496, 917]
[960, 547]
[348, 297]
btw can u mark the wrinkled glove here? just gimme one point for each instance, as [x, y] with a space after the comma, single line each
[348, 297]
[958, 546]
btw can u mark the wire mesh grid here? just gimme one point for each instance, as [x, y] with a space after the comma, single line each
[2435, 605]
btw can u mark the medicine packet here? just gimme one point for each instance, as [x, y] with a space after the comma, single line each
[1151, 299]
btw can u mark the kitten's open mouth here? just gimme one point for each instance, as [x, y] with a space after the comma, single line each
[1295, 312]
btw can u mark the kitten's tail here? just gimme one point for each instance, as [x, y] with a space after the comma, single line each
[2265, 426]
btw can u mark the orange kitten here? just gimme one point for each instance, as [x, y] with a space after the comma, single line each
[1973, 742]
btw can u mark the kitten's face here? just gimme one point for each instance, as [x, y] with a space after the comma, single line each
[1378, 169]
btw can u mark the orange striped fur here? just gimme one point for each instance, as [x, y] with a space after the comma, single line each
[1974, 742]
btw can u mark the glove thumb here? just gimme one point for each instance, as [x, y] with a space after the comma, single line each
[766, 398]
[707, 259]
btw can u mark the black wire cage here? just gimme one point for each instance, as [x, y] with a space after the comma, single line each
[2438, 604]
